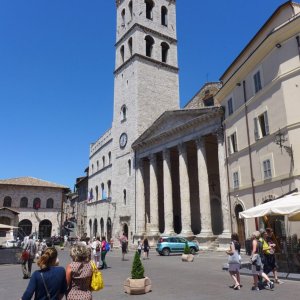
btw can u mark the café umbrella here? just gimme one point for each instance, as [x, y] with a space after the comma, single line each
[288, 205]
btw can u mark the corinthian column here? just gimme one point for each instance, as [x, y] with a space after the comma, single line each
[184, 191]
[206, 229]
[223, 187]
[168, 200]
[140, 199]
[153, 196]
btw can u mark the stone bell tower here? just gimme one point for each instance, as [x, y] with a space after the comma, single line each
[146, 85]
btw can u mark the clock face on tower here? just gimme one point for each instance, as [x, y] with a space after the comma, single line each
[123, 140]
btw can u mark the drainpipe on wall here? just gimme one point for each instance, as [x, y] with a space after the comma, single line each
[227, 171]
[135, 192]
[249, 150]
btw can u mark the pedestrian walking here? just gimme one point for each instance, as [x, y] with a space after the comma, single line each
[146, 248]
[30, 250]
[104, 250]
[234, 261]
[79, 273]
[124, 243]
[139, 247]
[257, 262]
[96, 246]
[50, 281]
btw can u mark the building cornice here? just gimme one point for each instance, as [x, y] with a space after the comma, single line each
[137, 56]
[145, 30]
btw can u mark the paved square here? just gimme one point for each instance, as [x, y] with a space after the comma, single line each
[171, 279]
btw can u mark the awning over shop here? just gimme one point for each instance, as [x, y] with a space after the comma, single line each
[4, 226]
[288, 205]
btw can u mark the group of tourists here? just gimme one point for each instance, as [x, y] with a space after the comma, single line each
[262, 260]
[143, 245]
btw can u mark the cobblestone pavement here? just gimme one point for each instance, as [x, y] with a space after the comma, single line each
[171, 279]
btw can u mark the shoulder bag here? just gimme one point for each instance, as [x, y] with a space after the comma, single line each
[234, 257]
[97, 283]
[47, 291]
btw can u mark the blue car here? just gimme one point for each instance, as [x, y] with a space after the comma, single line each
[171, 244]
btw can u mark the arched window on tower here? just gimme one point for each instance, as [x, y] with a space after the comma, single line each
[122, 52]
[129, 167]
[109, 157]
[50, 203]
[124, 197]
[164, 52]
[109, 188]
[149, 45]
[130, 46]
[164, 16]
[130, 9]
[103, 196]
[97, 193]
[149, 9]
[123, 17]
[124, 111]
[103, 161]
[24, 202]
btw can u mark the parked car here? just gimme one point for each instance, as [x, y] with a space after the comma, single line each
[12, 243]
[171, 244]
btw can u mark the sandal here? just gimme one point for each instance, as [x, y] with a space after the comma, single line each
[237, 287]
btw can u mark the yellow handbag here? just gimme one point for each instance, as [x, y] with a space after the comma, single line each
[97, 283]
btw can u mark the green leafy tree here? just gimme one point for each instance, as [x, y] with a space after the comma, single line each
[186, 249]
[137, 271]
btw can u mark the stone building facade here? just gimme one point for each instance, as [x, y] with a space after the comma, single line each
[33, 205]
[260, 94]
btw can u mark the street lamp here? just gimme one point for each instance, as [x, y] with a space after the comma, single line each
[280, 140]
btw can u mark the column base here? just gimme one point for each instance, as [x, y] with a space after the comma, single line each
[224, 241]
[169, 232]
[205, 234]
[187, 233]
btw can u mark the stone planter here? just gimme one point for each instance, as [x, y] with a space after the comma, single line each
[187, 257]
[137, 286]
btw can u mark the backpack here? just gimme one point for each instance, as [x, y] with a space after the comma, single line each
[98, 247]
[107, 247]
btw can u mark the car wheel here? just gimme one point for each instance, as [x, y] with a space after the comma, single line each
[192, 250]
[166, 252]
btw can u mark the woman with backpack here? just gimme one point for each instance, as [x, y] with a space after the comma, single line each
[104, 250]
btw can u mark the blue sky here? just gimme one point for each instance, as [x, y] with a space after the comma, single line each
[56, 73]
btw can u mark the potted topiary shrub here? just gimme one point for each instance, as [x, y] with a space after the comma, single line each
[187, 256]
[138, 283]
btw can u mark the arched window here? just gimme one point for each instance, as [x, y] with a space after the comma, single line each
[45, 229]
[149, 9]
[90, 223]
[130, 9]
[109, 157]
[103, 161]
[129, 167]
[97, 165]
[149, 45]
[24, 202]
[164, 52]
[91, 195]
[122, 52]
[7, 201]
[123, 16]
[108, 188]
[37, 203]
[102, 227]
[130, 46]
[97, 194]
[164, 16]
[95, 228]
[123, 111]
[102, 191]
[124, 196]
[49, 203]
[92, 169]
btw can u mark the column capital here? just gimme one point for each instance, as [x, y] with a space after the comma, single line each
[166, 153]
[200, 142]
[152, 157]
[182, 148]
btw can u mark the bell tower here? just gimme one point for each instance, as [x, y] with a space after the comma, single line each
[145, 84]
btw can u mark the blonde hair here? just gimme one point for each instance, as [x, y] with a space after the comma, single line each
[256, 234]
[80, 253]
[48, 258]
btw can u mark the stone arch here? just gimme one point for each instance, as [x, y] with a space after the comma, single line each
[164, 52]
[108, 229]
[130, 46]
[164, 16]
[240, 224]
[102, 227]
[95, 228]
[45, 229]
[216, 216]
[7, 201]
[23, 202]
[122, 53]
[50, 203]
[149, 45]
[149, 9]
[125, 229]
[25, 227]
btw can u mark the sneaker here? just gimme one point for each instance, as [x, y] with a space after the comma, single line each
[255, 288]
[270, 285]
